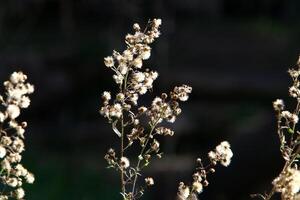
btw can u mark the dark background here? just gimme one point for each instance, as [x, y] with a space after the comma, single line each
[235, 54]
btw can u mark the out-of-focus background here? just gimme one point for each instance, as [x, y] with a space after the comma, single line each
[235, 54]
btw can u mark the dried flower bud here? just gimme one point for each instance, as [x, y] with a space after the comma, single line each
[155, 145]
[278, 105]
[197, 186]
[124, 162]
[120, 97]
[137, 63]
[136, 27]
[149, 181]
[109, 61]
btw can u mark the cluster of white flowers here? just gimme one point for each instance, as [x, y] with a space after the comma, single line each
[183, 191]
[164, 109]
[124, 162]
[181, 93]
[164, 131]
[286, 120]
[278, 105]
[294, 89]
[288, 183]
[128, 70]
[130, 120]
[222, 154]
[290, 117]
[12, 135]
[149, 181]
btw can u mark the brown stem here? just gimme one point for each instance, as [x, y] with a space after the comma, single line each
[139, 161]
[121, 155]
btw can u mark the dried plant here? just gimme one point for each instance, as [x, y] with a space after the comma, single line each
[12, 172]
[288, 181]
[138, 126]
[222, 154]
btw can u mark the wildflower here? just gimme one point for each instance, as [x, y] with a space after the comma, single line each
[118, 78]
[136, 27]
[294, 91]
[222, 154]
[19, 193]
[116, 110]
[124, 162]
[181, 92]
[278, 105]
[146, 53]
[11, 142]
[29, 178]
[290, 116]
[120, 97]
[17, 77]
[155, 145]
[5, 140]
[3, 197]
[138, 63]
[109, 61]
[123, 69]
[138, 77]
[2, 152]
[149, 181]
[183, 191]
[142, 109]
[106, 96]
[13, 111]
[157, 22]
[294, 73]
[164, 131]
[12, 182]
[197, 186]
[288, 183]
[124, 114]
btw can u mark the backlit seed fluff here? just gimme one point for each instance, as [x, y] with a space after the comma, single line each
[146, 53]
[13, 111]
[19, 193]
[2, 151]
[149, 181]
[109, 61]
[17, 77]
[29, 178]
[138, 63]
[197, 186]
[106, 96]
[2, 117]
[124, 162]
[136, 27]
[278, 105]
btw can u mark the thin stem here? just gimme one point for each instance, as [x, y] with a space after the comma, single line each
[286, 166]
[122, 154]
[292, 156]
[123, 90]
[139, 160]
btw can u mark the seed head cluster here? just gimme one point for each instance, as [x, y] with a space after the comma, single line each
[288, 181]
[222, 154]
[13, 173]
[132, 122]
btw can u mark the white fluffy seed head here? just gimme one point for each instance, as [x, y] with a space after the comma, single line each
[13, 111]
